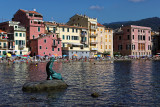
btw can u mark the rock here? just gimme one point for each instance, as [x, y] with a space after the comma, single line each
[95, 94]
[46, 85]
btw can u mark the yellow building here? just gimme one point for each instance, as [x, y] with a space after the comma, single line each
[105, 40]
[74, 39]
[91, 24]
[3, 42]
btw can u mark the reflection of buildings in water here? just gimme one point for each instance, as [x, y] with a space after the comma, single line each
[122, 81]
[141, 78]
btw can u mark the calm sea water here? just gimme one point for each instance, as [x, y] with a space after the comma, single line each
[121, 83]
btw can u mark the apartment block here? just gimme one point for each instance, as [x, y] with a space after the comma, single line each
[133, 40]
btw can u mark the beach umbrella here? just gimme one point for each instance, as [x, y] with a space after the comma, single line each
[9, 55]
[99, 55]
[55, 55]
[64, 55]
[13, 55]
[75, 55]
[95, 55]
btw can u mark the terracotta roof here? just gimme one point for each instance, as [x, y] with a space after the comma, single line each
[3, 31]
[27, 11]
[100, 25]
[50, 23]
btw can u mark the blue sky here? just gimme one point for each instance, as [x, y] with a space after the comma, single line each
[105, 10]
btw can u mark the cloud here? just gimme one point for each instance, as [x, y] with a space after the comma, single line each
[136, 0]
[96, 7]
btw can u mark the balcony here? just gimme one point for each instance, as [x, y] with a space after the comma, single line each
[93, 42]
[94, 35]
[21, 47]
[94, 49]
[4, 47]
[20, 29]
[93, 27]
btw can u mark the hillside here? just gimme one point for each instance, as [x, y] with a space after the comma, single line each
[153, 22]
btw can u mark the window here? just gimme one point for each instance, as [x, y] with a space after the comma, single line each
[30, 14]
[75, 38]
[39, 22]
[76, 30]
[106, 40]
[128, 47]
[45, 41]
[31, 21]
[63, 29]
[149, 38]
[106, 36]
[144, 37]
[40, 47]
[47, 28]
[133, 36]
[15, 26]
[16, 42]
[16, 34]
[109, 46]
[119, 37]
[63, 44]
[46, 48]
[44, 53]
[52, 48]
[120, 47]
[63, 37]
[67, 29]
[106, 46]
[39, 29]
[128, 30]
[128, 37]
[20, 34]
[33, 36]
[101, 46]
[109, 40]
[68, 37]
[58, 49]
[24, 35]
[133, 30]
[58, 42]
[54, 42]
[0, 43]
[53, 35]
[72, 29]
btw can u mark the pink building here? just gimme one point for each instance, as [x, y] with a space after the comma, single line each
[33, 22]
[133, 40]
[46, 44]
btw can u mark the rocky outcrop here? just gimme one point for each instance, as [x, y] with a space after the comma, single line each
[46, 85]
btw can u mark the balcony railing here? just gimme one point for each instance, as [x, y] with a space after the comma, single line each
[94, 35]
[94, 49]
[94, 27]
[21, 47]
[93, 42]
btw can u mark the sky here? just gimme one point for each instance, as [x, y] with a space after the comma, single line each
[106, 11]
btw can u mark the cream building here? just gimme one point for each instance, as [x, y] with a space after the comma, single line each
[16, 37]
[3, 42]
[105, 40]
[74, 39]
[91, 24]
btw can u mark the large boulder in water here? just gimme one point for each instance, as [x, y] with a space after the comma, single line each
[46, 85]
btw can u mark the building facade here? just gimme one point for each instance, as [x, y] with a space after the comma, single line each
[74, 39]
[155, 43]
[46, 44]
[105, 40]
[32, 21]
[91, 24]
[133, 40]
[3, 42]
[16, 37]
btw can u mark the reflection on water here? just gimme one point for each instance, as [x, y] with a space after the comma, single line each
[121, 83]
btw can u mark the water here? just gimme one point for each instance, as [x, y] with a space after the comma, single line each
[121, 83]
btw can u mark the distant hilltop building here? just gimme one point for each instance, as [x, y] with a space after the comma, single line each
[133, 40]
